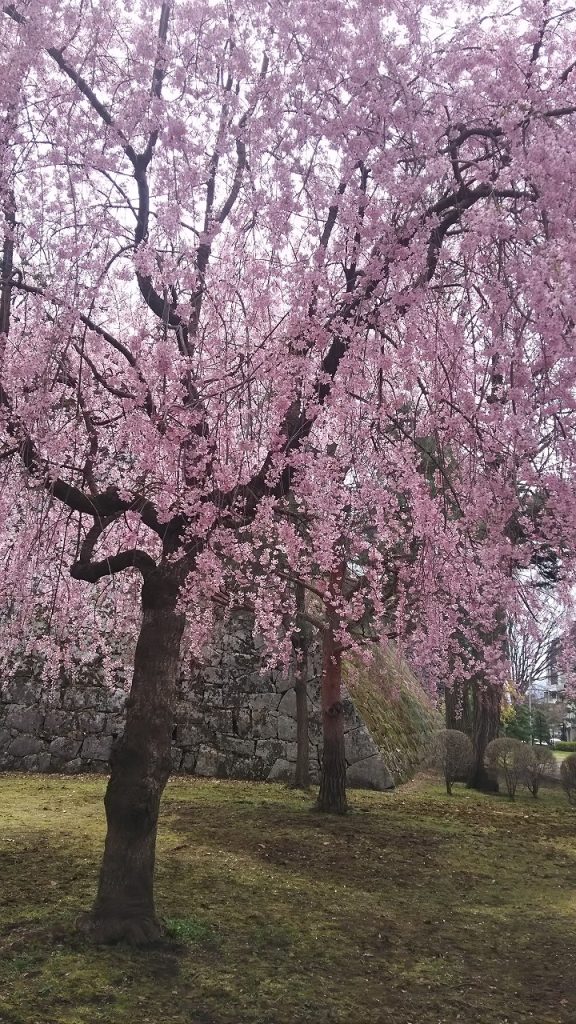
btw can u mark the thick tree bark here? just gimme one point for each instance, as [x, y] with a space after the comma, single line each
[332, 795]
[485, 726]
[301, 644]
[140, 766]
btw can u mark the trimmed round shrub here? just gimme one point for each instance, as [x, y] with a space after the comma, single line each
[540, 764]
[451, 756]
[509, 757]
[568, 777]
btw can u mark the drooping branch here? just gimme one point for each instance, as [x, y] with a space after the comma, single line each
[560, 111]
[159, 305]
[99, 506]
[17, 281]
[7, 277]
[134, 558]
[89, 571]
[158, 76]
[31, 289]
[139, 161]
[567, 72]
[204, 249]
[102, 380]
[81, 84]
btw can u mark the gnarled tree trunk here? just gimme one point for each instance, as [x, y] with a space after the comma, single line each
[140, 766]
[332, 795]
[485, 726]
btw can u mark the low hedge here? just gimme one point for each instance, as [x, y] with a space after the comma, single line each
[566, 745]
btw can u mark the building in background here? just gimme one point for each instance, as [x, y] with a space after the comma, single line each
[551, 692]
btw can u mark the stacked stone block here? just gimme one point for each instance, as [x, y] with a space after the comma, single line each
[231, 721]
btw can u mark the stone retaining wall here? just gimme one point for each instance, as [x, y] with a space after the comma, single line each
[230, 722]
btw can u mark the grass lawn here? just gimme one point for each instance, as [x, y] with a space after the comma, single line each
[561, 755]
[414, 909]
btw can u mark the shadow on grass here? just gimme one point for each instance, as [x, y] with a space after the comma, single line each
[421, 909]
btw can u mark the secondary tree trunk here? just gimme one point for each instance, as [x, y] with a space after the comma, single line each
[485, 726]
[140, 766]
[302, 771]
[301, 643]
[332, 795]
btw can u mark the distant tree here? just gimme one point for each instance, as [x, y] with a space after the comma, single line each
[518, 723]
[532, 722]
[451, 755]
[541, 723]
[531, 643]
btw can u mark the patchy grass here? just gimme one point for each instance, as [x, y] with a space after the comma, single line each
[561, 755]
[414, 909]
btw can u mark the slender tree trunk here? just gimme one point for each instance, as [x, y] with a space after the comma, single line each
[453, 698]
[301, 644]
[302, 772]
[140, 766]
[468, 711]
[332, 795]
[485, 726]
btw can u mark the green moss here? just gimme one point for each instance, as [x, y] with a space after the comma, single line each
[192, 931]
[396, 709]
[415, 907]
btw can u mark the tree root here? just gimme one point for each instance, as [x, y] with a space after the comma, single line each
[134, 931]
[324, 808]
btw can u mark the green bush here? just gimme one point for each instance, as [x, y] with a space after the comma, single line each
[540, 764]
[568, 777]
[566, 745]
[450, 754]
[510, 758]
